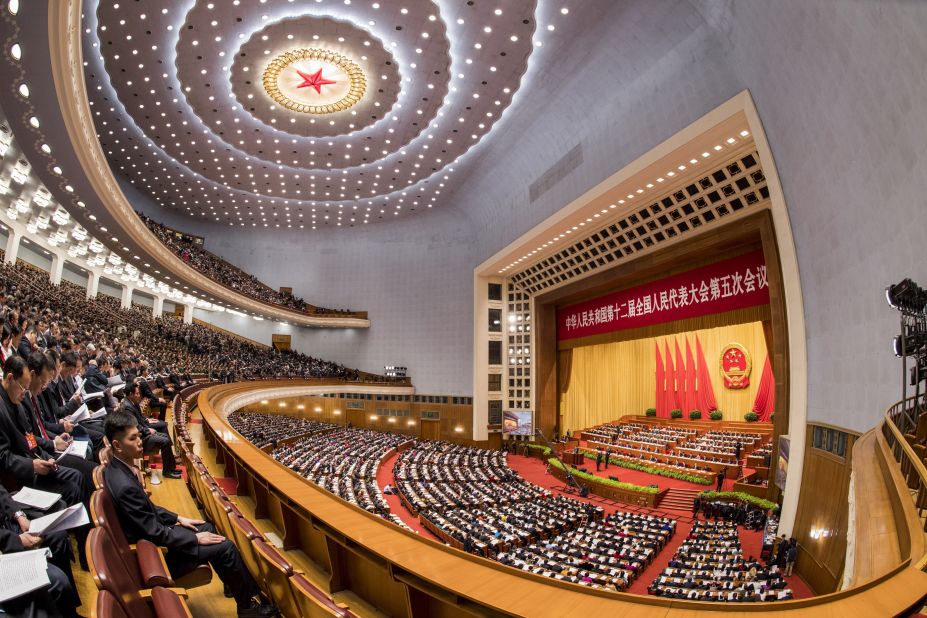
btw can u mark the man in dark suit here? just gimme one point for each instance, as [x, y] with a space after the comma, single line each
[14, 537]
[152, 438]
[155, 403]
[22, 460]
[189, 542]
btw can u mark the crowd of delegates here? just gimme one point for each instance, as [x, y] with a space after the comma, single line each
[265, 430]
[168, 342]
[64, 358]
[607, 554]
[710, 566]
[724, 443]
[439, 475]
[190, 251]
[344, 462]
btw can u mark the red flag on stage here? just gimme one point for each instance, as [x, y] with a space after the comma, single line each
[662, 412]
[765, 402]
[691, 396]
[670, 379]
[680, 382]
[706, 394]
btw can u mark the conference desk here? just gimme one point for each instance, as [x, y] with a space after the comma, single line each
[404, 574]
[573, 459]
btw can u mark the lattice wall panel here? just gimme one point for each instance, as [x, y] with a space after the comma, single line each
[732, 187]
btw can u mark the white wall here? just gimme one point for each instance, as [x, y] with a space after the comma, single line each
[839, 86]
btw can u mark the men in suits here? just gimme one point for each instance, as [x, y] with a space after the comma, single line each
[152, 438]
[56, 410]
[166, 389]
[155, 403]
[41, 370]
[14, 537]
[22, 459]
[189, 542]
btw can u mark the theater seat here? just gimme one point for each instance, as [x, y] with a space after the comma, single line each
[109, 574]
[275, 572]
[144, 562]
[313, 602]
[98, 482]
[163, 603]
[243, 533]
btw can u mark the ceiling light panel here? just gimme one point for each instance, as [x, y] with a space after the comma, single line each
[181, 109]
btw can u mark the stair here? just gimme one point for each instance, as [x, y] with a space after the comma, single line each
[677, 499]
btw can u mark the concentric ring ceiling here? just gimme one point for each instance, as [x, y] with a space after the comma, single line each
[182, 112]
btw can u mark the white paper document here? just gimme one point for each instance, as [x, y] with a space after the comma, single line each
[71, 517]
[92, 396]
[78, 448]
[22, 572]
[36, 498]
[81, 414]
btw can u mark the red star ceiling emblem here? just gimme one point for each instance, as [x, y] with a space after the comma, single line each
[315, 80]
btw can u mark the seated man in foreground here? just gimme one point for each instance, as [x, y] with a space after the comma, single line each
[189, 542]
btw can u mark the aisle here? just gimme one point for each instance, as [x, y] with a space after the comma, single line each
[384, 476]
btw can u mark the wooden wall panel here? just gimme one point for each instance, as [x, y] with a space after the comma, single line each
[822, 505]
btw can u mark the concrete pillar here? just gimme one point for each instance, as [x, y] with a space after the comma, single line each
[12, 245]
[93, 283]
[127, 295]
[158, 308]
[188, 314]
[57, 267]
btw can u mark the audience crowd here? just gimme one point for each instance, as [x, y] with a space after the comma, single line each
[710, 566]
[265, 430]
[190, 251]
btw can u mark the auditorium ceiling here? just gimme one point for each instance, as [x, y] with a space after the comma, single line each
[310, 113]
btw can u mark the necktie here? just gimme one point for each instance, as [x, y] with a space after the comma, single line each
[38, 418]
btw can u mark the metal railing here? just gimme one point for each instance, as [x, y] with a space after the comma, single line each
[899, 427]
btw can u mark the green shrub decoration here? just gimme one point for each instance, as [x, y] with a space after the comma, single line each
[641, 467]
[650, 411]
[751, 417]
[716, 415]
[695, 415]
[737, 495]
[545, 450]
[604, 481]
[677, 413]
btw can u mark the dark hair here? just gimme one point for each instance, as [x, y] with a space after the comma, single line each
[53, 355]
[117, 423]
[37, 361]
[131, 388]
[69, 359]
[15, 329]
[15, 365]
[7, 331]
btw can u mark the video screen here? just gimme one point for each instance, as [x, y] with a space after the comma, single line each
[518, 422]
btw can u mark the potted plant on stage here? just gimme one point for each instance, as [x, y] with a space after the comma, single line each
[650, 412]
[716, 415]
[751, 417]
[695, 415]
[677, 413]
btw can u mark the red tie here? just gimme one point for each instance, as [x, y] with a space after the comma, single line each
[38, 419]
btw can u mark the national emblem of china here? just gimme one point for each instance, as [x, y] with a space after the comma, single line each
[735, 366]
[314, 81]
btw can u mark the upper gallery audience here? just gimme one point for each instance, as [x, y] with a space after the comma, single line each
[167, 342]
[219, 270]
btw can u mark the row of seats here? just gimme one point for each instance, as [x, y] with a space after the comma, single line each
[268, 429]
[134, 580]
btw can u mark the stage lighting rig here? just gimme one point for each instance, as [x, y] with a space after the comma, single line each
[906, 296]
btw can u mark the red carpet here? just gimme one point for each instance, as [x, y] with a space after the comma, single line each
[384, 476]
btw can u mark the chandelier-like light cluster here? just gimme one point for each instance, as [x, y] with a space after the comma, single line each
[292, 77]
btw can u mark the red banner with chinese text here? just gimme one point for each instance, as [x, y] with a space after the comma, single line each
[731, 284]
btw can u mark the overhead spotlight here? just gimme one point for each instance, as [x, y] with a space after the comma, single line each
[906, 296]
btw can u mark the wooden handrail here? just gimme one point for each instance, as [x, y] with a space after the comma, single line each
[461, 583]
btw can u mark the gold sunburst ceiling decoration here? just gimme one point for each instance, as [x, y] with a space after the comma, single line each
[314, 81]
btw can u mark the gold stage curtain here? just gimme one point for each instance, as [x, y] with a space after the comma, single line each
[607, 381]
